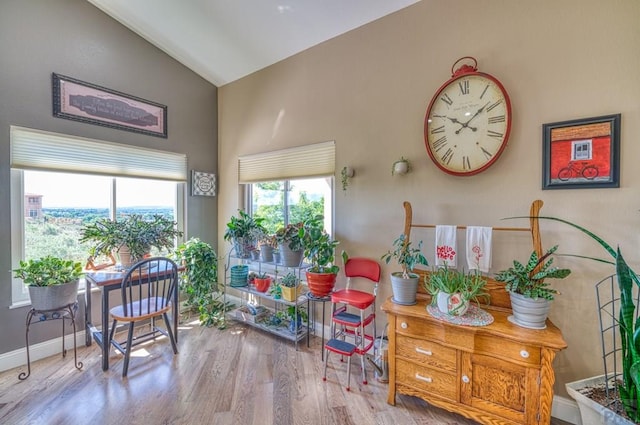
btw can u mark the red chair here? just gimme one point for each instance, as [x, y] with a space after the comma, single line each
[353, 315]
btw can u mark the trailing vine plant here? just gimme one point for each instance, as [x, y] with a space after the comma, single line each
[199, 282]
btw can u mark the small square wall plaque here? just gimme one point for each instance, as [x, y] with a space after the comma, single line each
[203, 184]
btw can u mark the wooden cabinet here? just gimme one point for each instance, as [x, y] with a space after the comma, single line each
[495, 374]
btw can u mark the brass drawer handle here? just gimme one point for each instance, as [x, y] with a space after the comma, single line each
[423, 378]
[425, 352]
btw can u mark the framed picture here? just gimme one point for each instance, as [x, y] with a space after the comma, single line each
[203, 184]
[80, 101]
[580, 154]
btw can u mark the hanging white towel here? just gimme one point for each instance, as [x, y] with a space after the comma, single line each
[446, 250]
[479, 248]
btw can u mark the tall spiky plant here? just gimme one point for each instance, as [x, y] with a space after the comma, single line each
[628, 326]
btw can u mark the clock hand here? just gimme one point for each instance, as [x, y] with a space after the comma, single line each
[455, 121]
[466, 124]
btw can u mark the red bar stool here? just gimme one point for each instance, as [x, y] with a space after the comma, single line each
[353, 314]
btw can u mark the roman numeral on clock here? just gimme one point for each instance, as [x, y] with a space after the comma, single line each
[494, 120]
[440, 143]
[491, 107]
[466, 164]
[446, 99]
[464, 86]
[448, 155]
[437, 130]
[486, 153]
[495, 134]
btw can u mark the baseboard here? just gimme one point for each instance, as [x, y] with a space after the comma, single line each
[39, 351]
[566, 409]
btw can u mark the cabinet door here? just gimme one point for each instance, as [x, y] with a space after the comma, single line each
[502, 388]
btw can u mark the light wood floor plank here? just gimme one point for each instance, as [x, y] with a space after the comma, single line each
[236, 376]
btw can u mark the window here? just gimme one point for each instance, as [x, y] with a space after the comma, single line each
[304, 198]
[50, 204]
[581, 150]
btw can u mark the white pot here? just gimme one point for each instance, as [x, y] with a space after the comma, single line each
[591, 412]
[452, 304]
[400, 167]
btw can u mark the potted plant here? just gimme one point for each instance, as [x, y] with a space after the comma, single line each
[401, 166]
[289, 239]
[530, 294]
[267, 244]
[624, 383]
[243, 232]
[289, 285]
[319, 249]
[295, 316]
[452, 290]
[275, 290]
[130, 237]
[262, 282]
[404, 284]
[345, 174]
[199, 281]
[52, 281]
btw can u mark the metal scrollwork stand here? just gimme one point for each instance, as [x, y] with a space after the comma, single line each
[62, 313]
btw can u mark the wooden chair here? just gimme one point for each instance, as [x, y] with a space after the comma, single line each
[148, 291]
[354, 314]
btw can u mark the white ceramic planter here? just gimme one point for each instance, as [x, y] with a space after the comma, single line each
[452, 304]
[591, 412]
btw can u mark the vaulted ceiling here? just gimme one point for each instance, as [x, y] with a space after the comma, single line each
[224, 40]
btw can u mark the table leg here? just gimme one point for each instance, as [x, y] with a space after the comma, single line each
[87, 314]
[105, 328]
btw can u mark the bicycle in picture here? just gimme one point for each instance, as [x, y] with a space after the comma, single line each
[575, 170]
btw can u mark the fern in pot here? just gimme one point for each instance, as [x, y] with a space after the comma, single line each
[405, 283]
[52, 281]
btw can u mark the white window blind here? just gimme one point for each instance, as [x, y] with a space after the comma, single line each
[303, 161]
[40, 150]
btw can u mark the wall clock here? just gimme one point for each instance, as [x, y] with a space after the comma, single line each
[467, 124]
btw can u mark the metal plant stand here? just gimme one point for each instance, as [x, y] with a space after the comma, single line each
[67, 312]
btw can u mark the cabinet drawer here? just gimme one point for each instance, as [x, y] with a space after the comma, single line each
[418, 328]
[426, 352]
[425, 379]
[508, 350]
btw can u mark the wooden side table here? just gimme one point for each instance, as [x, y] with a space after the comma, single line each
[67, 312]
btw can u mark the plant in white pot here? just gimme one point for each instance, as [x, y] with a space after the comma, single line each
[405, 283]
[452, 290]
[52, 281]
[243, 232]
[530, 294]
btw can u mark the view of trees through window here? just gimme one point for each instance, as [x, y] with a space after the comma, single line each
[57, 205]
[305, 198]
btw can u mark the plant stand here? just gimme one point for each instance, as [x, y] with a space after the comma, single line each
[67, 312]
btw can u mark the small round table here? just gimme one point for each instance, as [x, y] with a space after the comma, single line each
[66, 312]
[314, 299]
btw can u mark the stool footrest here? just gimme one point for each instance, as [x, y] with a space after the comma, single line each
[341, 347]
[347, 319]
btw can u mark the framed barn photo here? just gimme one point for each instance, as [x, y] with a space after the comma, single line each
[89, 103]
[581, 154]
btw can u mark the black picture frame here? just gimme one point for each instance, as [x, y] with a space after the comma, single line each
[89, 103]
[581, 153]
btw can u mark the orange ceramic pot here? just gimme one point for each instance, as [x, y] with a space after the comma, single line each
[262, 285]
[321, 284]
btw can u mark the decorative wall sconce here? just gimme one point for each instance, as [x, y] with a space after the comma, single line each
[346, 173]
[401, 166]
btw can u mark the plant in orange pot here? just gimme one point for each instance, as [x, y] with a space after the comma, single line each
[319, 249]
[262, 282]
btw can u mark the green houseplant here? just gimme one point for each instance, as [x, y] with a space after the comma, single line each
[627, 380]
[52, 281]
[289, 286]
[452, 290]
[530, 293]
[199, 281]
[243, 231]
[289, 239]
[130, 235]
[404, 284]
[319, 250]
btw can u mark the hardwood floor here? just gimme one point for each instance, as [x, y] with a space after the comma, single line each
[236, 376]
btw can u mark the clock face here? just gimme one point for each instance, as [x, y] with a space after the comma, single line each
[467, 124]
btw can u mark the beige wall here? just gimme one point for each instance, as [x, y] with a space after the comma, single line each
[368, 90]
